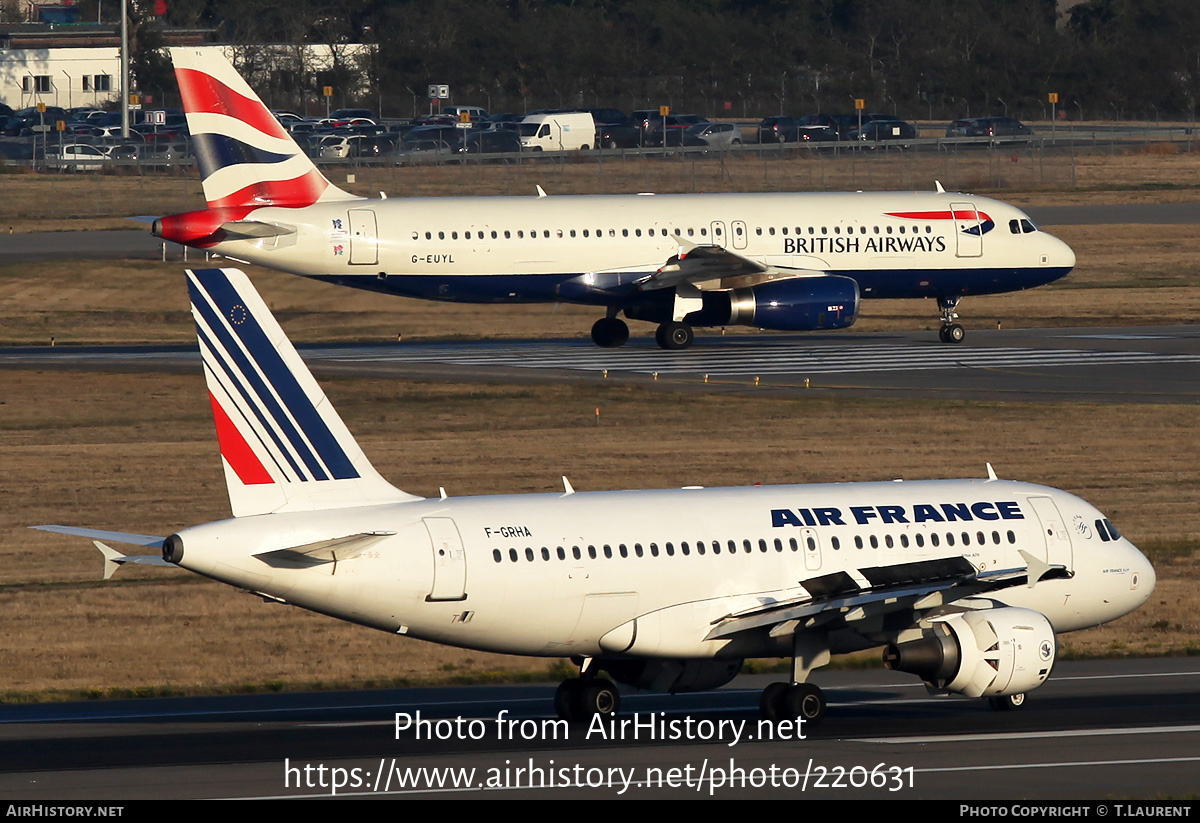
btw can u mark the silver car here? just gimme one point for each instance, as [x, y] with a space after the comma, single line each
[713, 135]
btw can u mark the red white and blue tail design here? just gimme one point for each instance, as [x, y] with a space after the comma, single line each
[246, 158]
[283, 446]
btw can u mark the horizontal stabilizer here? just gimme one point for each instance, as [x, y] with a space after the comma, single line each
[324, 551]
[255, 228]
[113, 559]
[100, 534]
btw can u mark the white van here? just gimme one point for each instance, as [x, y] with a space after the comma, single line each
[558, 132]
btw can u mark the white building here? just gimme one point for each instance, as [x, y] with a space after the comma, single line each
[91, 76]
[60, 77]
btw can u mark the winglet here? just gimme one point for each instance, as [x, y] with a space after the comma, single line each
[541, 192]
[567, 487]
[991, 472]
[938, 184]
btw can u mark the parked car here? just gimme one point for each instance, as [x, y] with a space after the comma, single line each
[476, 114]
[424, 150]
[614, 130]
[713, 135]
[878, 131]
[492, 141]
[669, 130]
[78, 157]
[988, 127]
[778, 129]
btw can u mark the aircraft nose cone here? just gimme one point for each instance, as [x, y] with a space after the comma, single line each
[1068, 255]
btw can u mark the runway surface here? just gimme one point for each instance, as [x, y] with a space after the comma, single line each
[1110, 729]
[1131, 364]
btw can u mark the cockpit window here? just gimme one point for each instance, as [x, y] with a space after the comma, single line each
[1014, 226]
[1027, 226]
[1112, 530]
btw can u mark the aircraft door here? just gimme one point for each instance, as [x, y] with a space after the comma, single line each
[449, 560]
[740, 235]
[811, 546]
[1054, 530]
[718, 233]
[968, 231]
[364, 238]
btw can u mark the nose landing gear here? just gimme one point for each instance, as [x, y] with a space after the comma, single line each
[950, 331]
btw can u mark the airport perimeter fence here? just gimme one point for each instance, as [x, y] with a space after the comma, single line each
[972, 164]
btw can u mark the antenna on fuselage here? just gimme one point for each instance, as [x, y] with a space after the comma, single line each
[541, 192]
[938, 185]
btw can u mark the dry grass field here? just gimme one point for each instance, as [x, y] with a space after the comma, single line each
[135, 452]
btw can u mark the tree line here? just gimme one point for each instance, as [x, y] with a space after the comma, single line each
[1126, 59]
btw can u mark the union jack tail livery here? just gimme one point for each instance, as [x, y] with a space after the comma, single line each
[246, 157]
[283, 446]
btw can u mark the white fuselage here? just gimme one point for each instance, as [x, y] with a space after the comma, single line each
[590, 249]
[650, 573]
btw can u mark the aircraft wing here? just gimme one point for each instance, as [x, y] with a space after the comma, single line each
[697, 264]
[919, 586]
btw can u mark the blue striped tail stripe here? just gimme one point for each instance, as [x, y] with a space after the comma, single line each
[280, 397]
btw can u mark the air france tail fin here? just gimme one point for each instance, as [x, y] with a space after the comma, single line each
[283, 446]
[246, 158]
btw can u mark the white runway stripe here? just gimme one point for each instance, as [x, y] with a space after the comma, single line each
[757, 361]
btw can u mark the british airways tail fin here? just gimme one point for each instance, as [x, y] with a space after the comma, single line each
[283, 446]
[246, 158]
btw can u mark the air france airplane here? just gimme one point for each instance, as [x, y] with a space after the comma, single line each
[786, 261]
[965, 583]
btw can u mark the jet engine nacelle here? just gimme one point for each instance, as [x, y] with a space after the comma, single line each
[673, 675]
[988, 653]
[794, 304]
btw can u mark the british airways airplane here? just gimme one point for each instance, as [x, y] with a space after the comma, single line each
[784, 261]
[964, 583]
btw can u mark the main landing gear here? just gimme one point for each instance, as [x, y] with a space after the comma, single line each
[950, 331]
[612, 332]
[789, 701]
[579, 698]
[798, 699]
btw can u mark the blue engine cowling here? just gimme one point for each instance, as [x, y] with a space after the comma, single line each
[795, 304]
[798, 304]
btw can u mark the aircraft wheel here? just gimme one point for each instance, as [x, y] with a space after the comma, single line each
[610, 332]
[674, 335]
[599, 697]
[567, 700]
[771, 702]
[806, 701]
[1007, 703]
[953, 333]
